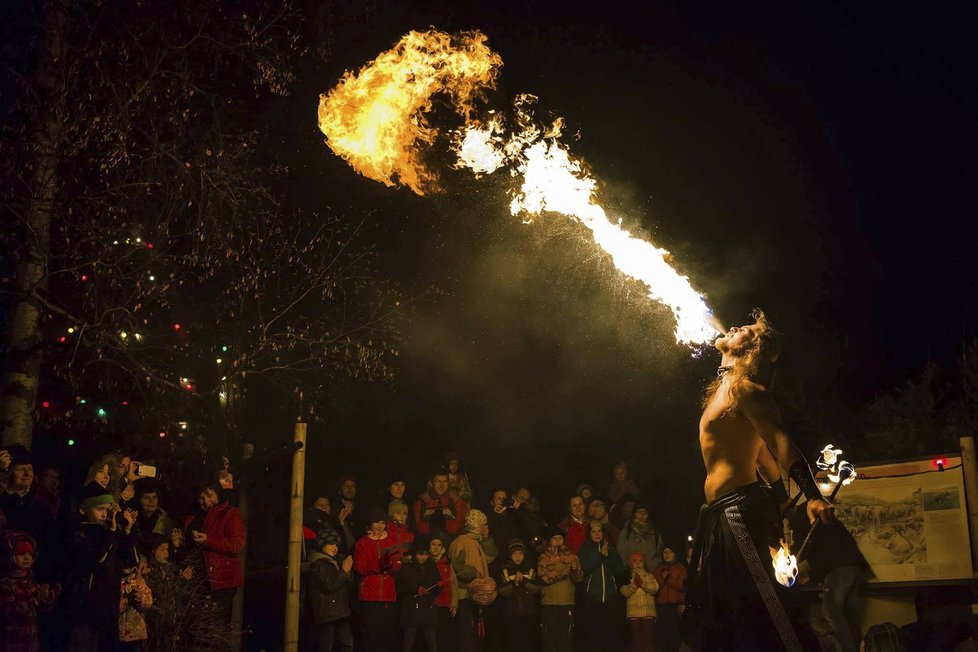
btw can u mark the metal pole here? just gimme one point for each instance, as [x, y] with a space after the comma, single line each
[970, 471]
[237, 607]
[293, 567]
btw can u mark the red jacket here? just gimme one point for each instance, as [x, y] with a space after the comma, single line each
[672, 583]
[225, 530]
[453, 523]
[377, 561]
[575, 533]
[401, 538]
[444, 597]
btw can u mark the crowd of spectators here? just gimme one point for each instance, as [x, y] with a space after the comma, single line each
[442, 572]
[106, 567]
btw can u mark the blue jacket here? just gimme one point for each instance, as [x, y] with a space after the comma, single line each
[600, 573]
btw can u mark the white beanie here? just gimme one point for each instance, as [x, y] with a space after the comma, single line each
[475, 520]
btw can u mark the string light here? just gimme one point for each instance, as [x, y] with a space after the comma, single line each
[123, 335]
[71, 442]
[176, 327]
[62, 339]
[71, 330]
[84, 277]
[46, 404]
[162, 434]
[101, 412]
[218, 361]
[152, 278]
[223, 348]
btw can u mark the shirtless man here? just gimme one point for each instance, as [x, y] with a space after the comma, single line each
[734, 592]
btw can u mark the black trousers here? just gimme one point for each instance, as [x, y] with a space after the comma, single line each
[377, 626]
[734, 597]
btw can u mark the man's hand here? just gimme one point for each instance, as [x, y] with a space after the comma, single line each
[347, 564]
[344, 513]
[820, 509]
[130, 516]
[199, 537]
[187, 573]
[447, 512]
[453, 610]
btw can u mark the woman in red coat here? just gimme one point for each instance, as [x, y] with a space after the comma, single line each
[219, 533]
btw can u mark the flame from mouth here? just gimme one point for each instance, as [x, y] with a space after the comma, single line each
[376, 120]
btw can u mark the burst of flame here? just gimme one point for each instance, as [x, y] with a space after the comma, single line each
[846, 472]
[828, 457]
[785, 566]
[375, 119]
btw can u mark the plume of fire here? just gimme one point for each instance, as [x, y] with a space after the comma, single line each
[785, 565]
[376, 120]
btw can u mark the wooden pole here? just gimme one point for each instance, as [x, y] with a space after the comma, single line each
[969, 467]
[294, 565]
[237, 607]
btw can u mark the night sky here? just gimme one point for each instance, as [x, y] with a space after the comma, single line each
[812, 161]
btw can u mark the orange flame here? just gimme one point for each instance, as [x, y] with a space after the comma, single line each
[785, 565]
[375, 119]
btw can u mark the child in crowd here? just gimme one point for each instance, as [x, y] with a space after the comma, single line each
[328, 594]
[447, 598]
[135, 599]
[20, 596]
[640, 606]
[418, 584]
[518, 587]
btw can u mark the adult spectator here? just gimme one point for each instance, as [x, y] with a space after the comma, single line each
[597, 510]
[601, 565]
[502, 517]
[396, 487]
[670, 575]
[105, 472]
[218, 531]
[48, 489]
[436, 509]
[471, 553]
[574, 525]
[639, 535]
[521, 599]
[835, 562]
[622, 510]
[458, 479]
[347, 495]
[377, 562]
[559, 570]
[152, 518]
[621, 484]
[19, 501]
[530, 519]
[447, 599]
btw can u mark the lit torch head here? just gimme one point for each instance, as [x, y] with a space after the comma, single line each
[829, 456]
[785, 566]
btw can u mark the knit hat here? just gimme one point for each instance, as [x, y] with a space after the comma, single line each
[598, 499]
[375, 515]
[440, 535]
[327, 536]
[19, 455]
[552, 532]
[420, 544]
[398, 477]
[93, 495]
[19, 543]
[638, 555]
[474, 520]
[516, 544]
[146, 486]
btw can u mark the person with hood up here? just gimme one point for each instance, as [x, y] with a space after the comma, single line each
[377, 561]
[418, 585]
[521, 599]
[558, 570]
[639, 535]
[327, 595]
[446, 599]
[640, 603]
[601, 565]
[471, 554]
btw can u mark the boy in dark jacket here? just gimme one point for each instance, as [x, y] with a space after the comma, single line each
[328, 595]
[518, 587]
[417, 584]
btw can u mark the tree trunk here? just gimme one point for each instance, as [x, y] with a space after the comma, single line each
[25, 347]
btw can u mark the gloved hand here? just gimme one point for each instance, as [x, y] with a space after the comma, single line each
[422, 591]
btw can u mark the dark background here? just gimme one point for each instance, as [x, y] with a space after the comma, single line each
[811, 160]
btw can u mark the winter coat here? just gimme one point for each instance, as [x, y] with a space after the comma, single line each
[503, 527]
[429, 501]
[557, 580]
[648, 542]
[522, 600]
[640, 600]
[25, 513]
[92, 587]
[470, 559]
[575, 532]
[317, 520]
[626, 487]
[157, 523]
[134, 600]
[19, 604]
[672, 583]
[401, 538]
[600, 572]
[448, 596]
[419, 610]
[326, 593]
[225, 530]
[377, 562]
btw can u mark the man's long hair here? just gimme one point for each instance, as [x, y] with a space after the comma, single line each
[755, 363]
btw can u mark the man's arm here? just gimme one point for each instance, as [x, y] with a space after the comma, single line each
[760, 409]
